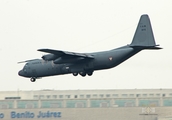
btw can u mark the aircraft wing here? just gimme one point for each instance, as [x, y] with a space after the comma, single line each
[60, 57]
[61, 53]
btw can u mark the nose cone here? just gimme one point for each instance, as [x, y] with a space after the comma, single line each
[20, 73]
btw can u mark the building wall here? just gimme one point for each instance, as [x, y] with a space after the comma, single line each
[79, 94]
[128, 113]
[87, 104]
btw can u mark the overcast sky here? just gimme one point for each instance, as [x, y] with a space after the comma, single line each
[84, 26]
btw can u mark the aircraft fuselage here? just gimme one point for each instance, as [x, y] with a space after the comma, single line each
[102, 60]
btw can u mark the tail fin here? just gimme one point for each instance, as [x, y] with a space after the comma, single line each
[143, 36]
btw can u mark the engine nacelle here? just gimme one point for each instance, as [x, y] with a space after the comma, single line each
[49, 57]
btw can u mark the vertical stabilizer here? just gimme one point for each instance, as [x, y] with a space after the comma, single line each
[143, 36]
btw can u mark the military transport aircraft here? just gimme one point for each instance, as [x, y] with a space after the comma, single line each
[58, 62]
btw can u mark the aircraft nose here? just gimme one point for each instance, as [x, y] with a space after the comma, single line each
[20, 73]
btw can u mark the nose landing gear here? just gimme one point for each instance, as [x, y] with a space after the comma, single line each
[32, 79]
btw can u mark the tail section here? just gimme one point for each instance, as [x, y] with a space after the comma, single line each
[143, 36]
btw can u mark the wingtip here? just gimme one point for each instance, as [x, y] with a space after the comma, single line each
[27, 61]
[40, 49]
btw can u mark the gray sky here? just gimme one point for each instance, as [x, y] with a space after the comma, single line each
[84, 26]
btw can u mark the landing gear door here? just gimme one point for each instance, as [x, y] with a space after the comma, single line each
[89, 65]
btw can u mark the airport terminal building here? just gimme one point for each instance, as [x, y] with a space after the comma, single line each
[117, 104]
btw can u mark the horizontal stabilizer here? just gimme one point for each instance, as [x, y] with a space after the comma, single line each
[147, 47]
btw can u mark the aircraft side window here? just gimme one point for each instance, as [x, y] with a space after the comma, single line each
[26, 65]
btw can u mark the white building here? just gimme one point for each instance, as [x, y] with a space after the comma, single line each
[77, 104]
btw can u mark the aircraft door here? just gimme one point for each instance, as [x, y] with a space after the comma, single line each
[34, 73]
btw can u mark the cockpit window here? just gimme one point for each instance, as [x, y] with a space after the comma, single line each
[26, 64]
[25, 67]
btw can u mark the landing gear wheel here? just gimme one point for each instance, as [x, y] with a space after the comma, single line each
[32, 79]
[83, 74]
[89, 73]
[75, 74]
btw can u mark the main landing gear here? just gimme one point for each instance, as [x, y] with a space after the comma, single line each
[75, 74]
[83, 74]
[32, 79]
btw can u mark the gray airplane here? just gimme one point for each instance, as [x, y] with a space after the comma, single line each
[58, 62]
